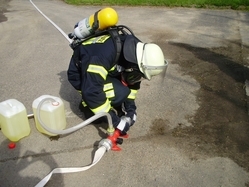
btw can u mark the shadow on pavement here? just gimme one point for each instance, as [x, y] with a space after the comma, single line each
[15, 173]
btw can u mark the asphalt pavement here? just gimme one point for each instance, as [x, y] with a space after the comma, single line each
[34, 60]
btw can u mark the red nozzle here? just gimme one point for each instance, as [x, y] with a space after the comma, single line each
[115, 139]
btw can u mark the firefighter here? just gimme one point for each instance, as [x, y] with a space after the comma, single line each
[111, 86]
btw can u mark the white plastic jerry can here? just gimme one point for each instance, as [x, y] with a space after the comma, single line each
[14, 120]
[52, 114]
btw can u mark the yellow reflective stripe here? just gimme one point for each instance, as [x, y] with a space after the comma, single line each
[97, 69]
[99, 39]
[110, 94]
[102, 39]
[133, 94]
[108, 89]
[90, 41]
[113, 68]
[83, 103]
[103, 108]
[108, 86]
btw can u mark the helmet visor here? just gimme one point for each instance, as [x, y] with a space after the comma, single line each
[150, 71]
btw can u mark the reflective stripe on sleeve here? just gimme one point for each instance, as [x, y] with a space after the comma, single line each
[133, 94]
[109, 94]
[108, 86]
[98, 69]
[108, 89]
[103, 108]
[121, 125]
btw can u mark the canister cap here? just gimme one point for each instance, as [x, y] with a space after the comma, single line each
[56, 103]
[12, 145]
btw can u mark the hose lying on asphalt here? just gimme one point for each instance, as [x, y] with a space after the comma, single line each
[101, 150]
[58, 28]
[98, 155]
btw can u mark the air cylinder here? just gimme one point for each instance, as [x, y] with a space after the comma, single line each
[100, 20]
[13, 120]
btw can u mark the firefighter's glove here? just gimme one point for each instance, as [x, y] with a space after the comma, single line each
[123, 123]
[126, 119]
[132, 116]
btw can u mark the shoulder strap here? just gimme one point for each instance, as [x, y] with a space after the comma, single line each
[117, 42]
[115, 34]
[76, 57]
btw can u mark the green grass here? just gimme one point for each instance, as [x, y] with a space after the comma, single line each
[233, 4]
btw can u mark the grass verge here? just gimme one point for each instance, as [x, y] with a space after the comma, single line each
[220, 4]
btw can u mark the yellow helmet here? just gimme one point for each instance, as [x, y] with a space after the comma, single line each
[150, 59]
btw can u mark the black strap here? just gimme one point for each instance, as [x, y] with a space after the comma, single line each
[76, 57]
[95, 25]
[117, 42]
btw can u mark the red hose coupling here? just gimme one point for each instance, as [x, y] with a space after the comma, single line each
[117, 138]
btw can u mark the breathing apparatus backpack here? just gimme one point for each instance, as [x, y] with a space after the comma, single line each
[114, 32]
[100, 23]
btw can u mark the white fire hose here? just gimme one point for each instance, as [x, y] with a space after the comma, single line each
[58, 28]
[104, 145]
[98, 155]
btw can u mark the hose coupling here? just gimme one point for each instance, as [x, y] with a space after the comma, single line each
[106, 143]
[110, 131]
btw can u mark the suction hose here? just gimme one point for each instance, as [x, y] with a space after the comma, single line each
[75, 128]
